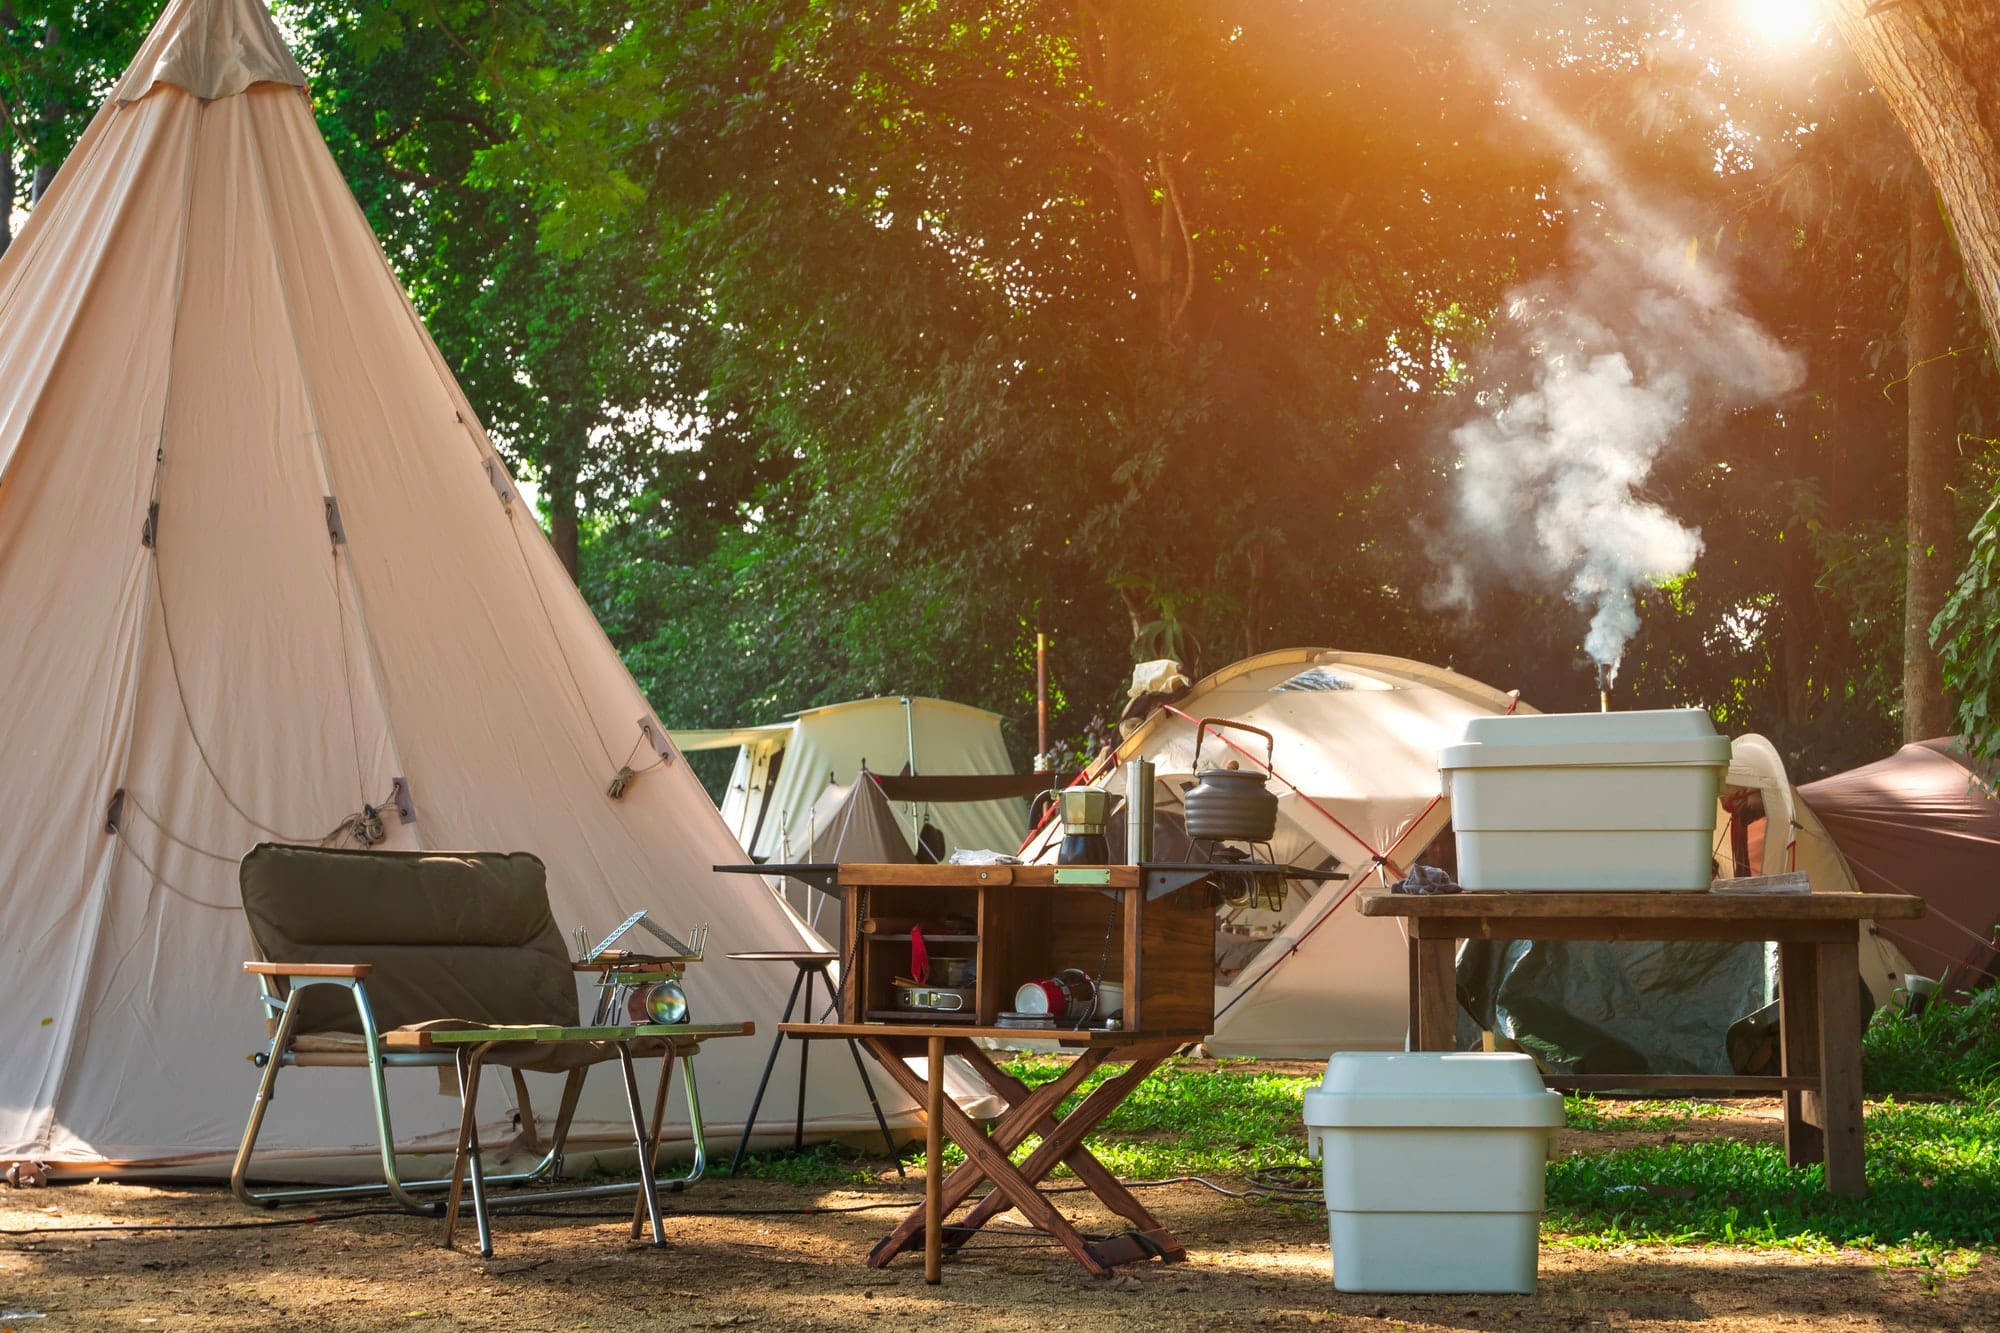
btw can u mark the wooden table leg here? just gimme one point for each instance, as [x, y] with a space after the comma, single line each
[1799, 1049]
[1022, 1116]
[1840, 1065]
[934, 1162]
[1062, 1141]
[1435, 994]
[1416, 972]
[986, 1157]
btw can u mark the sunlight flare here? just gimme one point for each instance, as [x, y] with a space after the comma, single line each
[1781, 22]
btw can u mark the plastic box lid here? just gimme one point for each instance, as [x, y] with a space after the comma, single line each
[1654, 736]
[1412, 1089]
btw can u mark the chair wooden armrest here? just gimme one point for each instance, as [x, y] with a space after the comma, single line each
[355, 970]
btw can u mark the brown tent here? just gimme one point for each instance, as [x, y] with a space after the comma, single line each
[1922, 822]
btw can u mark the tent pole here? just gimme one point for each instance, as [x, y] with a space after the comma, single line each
[1041, 694]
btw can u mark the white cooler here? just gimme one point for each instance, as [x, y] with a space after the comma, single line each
[1586, 800]
[1433, 1169]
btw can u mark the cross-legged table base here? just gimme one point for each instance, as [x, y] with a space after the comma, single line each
[1030, 1112]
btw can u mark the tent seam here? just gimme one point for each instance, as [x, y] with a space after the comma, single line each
[327, 476]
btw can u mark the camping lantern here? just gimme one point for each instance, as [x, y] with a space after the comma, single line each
[661, 1002]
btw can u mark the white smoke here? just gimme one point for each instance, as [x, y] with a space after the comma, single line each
[1601, 367]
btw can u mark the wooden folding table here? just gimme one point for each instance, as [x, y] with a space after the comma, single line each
[1030, 1111]
[1147, 929]
[1819, 972]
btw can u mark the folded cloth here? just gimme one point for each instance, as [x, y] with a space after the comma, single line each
[966, 856]
[1427, 879]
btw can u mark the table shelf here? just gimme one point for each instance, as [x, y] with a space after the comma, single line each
[1027, 926]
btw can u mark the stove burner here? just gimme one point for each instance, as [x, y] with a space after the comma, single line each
[1254, 877]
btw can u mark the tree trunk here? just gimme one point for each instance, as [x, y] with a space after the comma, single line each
[1932, 563]
[52, 114]
[7, 182]
[1934, 62]
[559, 485]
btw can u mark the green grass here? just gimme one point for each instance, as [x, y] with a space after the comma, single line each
[1949, 1048]
[1933, 1177]
[1933, 1162]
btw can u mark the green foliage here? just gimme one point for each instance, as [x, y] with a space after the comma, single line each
[1966, 634]
[57, 61]
[848, 340]
[1953, 1049]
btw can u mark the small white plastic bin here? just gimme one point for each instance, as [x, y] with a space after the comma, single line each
[1433, 1167]
[1586, 800]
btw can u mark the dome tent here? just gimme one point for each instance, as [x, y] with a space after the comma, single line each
[1355, 769]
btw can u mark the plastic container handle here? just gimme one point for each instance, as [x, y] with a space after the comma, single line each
[1201, 730]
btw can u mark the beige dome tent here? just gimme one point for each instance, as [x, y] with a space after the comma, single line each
[1355, 770]
[265, 577]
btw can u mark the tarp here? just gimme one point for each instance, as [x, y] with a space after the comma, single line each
[782, 770]
[1355, 764]
[264, 577]
[1922, 822]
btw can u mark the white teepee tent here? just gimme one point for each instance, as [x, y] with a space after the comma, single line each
[261, 568]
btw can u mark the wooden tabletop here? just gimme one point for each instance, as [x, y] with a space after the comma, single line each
[1637, 904]
[426, 1039]
[787, 956]
[855, 873]
[1067, 1036]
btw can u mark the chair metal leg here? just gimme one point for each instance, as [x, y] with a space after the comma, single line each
[239, 1172]
[392, 1181]
[770, 1062]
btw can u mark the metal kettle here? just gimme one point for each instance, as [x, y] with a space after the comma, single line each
[1231, 804]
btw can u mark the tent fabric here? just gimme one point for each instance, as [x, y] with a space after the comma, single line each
[263, 574]
[211, 50]
[850, 823]
[1357, 740]
[781, 772]
[855, 823]
[1922, 822]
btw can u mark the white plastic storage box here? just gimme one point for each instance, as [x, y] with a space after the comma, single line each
[1586, 800]
[1433, 1168]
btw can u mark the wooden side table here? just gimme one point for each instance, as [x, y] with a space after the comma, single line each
[1818, 939]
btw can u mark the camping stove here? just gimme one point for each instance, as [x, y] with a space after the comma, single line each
[1252, 877]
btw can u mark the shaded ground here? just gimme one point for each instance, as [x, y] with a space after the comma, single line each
[773, 1264]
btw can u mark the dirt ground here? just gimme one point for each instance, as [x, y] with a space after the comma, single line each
[752, 1254]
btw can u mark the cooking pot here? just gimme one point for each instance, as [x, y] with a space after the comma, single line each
[1231, 804]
